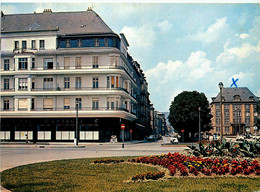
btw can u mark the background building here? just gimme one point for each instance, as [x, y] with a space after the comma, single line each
[238, 109]
[51, 61]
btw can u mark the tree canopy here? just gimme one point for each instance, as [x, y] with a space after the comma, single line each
[184, 112]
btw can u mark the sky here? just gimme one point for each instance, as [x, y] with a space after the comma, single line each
[181, 46]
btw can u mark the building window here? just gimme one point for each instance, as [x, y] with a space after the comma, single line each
[226, 129]
[33, 44]
[117, 103]
[226, 113]
[42, 44]
[6, 84]
[66, 82]
[95, 82]
[226, 107]
[6, 104]
[67, 103]
[114, 60]
[247, 120]
[66, 62]
[112, 82]
[95, 61]
[112, 103]
[47, 104]
[22, 104]
[217, 121]
[235, 107]
[79, 42]
[24, 45]
[114, 42]
[79, 101]
[16, 45]
[96, 42]
[108, 101]
[226, 120]
[48, 63]
[22, 83]
[78, 83]
[217, 129]
[22, 63]
[106, 42]
[6, 64]
[217, 106]
[108, 82]
[48, 83]
[95, 103]
[33, 83]
[247, 113]
[33, 104]
[247, 106]
[237, 98]
[78, 62]
[33, 63]
[67, 42]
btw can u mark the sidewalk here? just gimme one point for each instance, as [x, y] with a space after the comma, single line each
[62, 144]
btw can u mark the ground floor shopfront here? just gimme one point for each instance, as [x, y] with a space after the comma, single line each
[64, 129]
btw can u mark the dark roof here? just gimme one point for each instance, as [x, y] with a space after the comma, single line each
[85, 22]
[229, 93]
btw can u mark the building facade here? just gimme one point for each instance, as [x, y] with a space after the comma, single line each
[239, 113]
[51, 61]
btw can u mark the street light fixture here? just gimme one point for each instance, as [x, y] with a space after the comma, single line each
[76, 140]
[220, 85]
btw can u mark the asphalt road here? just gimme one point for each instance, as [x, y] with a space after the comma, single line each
[15, 155]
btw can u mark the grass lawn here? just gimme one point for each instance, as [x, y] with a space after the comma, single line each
[82, 175]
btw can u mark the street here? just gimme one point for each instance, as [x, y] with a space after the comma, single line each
[16, 155]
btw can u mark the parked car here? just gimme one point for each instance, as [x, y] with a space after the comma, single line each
[174, 140]
[151, 138]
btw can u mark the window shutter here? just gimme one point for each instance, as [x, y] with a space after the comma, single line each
[47, 103]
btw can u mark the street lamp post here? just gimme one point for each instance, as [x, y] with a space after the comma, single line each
[77, 124]
[199, 127]
[220, 85]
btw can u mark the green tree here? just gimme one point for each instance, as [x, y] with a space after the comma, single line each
[184, 113]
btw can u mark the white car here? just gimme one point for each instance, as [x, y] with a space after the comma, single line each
[174, 140]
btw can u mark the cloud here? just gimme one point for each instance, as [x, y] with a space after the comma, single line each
[213, 33]
[139, 36]
[243, 35]
[164, 26]
[238, 53]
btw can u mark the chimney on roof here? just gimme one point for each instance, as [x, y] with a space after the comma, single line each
[47, 11]
[89, 8]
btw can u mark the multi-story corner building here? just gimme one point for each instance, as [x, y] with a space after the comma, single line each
[53, 60]
[238, 111]
[159, 123]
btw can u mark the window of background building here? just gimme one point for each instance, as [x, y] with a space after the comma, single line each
[117, 103]
[32, 103]
[226, 120]
[226, 107]
[106, 42]
[22, 104]
[78, 83]
[66, 103]
[114, 60]
[24, 44]
[217, 106]
[42, 44]
[217, 129]
[112, 103]
[112, 82]
[33, 44]
[47, 104]
[226, 129]
[48, 83]
[6, 64]
[66, 62]
[78, 62]
[79, 42]
[247, 113]
[6, 84]
[66, 82]
[22, 63]
[6, 104]
[33, 63]
[247, 120]
[79, 101]
[95, 103]
[95, 82]
[247, 107]
[67, 42]
[108, 82]
[96, 42]
[95, 61]
[33, 84]
[217, 121]
[48, 63]
[22, 83]
[16, 45]
[108, 101]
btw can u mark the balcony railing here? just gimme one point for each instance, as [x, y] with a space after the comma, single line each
[71, 109]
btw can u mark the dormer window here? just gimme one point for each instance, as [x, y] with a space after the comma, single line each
[237, 98]
[251, 98]
[67, 42]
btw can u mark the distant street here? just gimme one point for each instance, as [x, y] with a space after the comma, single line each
[16, 155]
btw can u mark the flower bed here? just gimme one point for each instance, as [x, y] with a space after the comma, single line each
[182, 165]
[107, 161]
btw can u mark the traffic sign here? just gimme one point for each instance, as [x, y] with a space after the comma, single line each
[123, 126]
